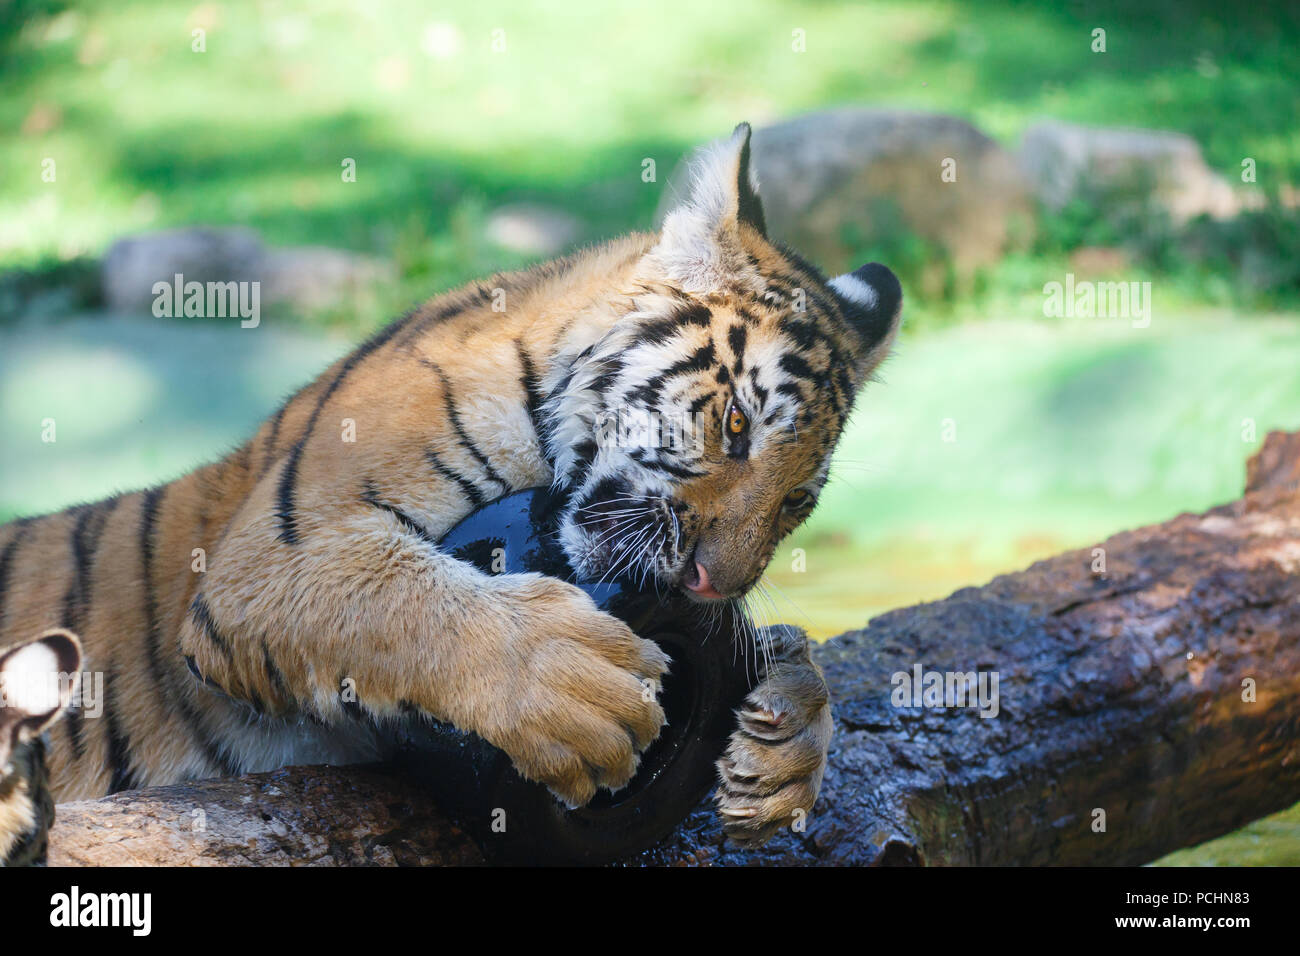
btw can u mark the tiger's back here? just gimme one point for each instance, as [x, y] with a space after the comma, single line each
[124, 572]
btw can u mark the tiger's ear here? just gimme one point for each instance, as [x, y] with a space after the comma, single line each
[872, 299]
[699, 245]
[37, 682]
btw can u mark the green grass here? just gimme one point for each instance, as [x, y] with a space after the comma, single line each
[146, 133]
[1272, 841]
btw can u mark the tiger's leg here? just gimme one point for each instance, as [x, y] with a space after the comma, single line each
[772, 769]
[367, 615]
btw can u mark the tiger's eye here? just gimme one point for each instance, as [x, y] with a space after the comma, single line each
[797, 498]
[736, 420]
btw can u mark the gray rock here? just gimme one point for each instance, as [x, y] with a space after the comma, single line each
[835, 183]
[532, 229]
[306, 278]
[311, 278]
[1064, 161]
[132, 265]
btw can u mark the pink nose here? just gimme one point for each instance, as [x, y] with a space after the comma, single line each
[701, 584]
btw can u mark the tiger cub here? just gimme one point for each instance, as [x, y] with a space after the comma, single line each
[274, 607]
[37, 681]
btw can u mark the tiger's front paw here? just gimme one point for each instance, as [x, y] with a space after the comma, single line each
[582, 702]
[772, 770]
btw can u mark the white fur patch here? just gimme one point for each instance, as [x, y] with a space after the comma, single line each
[30, 680]
[855, 290]
[698, 246]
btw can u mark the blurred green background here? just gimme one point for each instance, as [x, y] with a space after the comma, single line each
[1065, 431]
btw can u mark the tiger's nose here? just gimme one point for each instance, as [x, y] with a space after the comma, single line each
[697, 580]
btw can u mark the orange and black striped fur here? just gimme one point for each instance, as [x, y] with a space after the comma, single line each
[273, 606]
[38, 679]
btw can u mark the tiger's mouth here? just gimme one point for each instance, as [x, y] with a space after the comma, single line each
[625, 535]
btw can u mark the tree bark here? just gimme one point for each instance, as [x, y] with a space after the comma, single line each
[298, 816]
[1148, 698]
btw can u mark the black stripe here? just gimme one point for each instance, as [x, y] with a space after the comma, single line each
[532, 394]
[79, 562]
[659, 330]
[656, 331]
[701, 402]
[168, 691]
[791, 389]
[609, 373]
[370, 495]
[121, 776]
[85, 547]
[658, 464]
[288, 478]
[74, 720]
[274, 675]
[83, 541]
[473, 494]
[202, 615]
[842, 379]
[453, 413]
[736, 336]
[269, 457]
[697, 361]
[695, 314]
[6, 563]
[794, 365]
[807, 335]
[476, 296]
[585, 454]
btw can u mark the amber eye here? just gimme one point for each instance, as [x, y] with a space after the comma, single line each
[736, 420]
[799, 498]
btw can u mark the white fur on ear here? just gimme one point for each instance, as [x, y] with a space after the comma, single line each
[855, 290]
[29, 680]
[699, 245]
[872, 298]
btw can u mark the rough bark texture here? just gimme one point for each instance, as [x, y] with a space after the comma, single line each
[1119, 690]
[299, 816]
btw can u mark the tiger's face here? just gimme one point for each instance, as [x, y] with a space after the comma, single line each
[37, 681]
[698, 432]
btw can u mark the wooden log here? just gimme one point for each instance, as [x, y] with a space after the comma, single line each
[1121, 691]
[1147, 698]
[298, 816]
